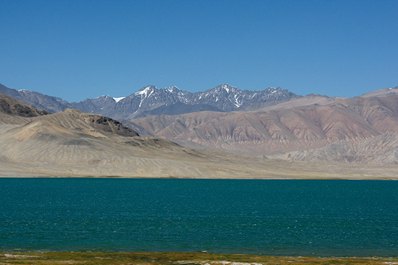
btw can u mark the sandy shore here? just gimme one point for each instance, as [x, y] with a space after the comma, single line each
[119, 258]
[218, 168]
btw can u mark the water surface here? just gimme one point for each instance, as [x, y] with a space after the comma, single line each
[273, 217]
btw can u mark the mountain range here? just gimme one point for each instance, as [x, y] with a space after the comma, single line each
[150, 100]
[268, 125]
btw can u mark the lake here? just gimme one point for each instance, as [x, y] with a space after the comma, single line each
[271, 217]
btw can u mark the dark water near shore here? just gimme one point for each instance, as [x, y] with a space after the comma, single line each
[274, 217]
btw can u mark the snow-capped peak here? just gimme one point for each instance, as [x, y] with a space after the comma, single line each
[145, 92]
[223, 88]
[226, 87]
[172, 89]
[272, 90]
[118, 99]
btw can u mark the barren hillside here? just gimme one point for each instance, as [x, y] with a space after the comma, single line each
[300, 124]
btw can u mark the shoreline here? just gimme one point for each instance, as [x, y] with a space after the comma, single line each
[181, 258]
[194, 178]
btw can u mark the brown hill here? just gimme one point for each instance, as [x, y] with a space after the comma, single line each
[75, 143]
[381, 149]
[300, 124]
[13, 111]
[11, 106]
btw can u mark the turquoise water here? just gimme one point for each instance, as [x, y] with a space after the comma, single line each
[274, 217]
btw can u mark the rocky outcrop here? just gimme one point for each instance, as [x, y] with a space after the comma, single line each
[11, 106]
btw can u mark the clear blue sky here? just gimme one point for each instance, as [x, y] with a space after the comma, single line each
[77, 49]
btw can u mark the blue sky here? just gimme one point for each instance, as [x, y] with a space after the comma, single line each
[77, 49]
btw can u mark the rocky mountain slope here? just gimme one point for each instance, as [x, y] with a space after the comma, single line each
[10, 106]
[380, 149]
[35, 99]
[152, 101]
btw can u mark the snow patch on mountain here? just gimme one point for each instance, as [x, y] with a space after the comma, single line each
[146, 92]
[237, 103]
[226, 87]
[118, 99]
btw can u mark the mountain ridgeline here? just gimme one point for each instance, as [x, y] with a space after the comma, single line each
[153, 101]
